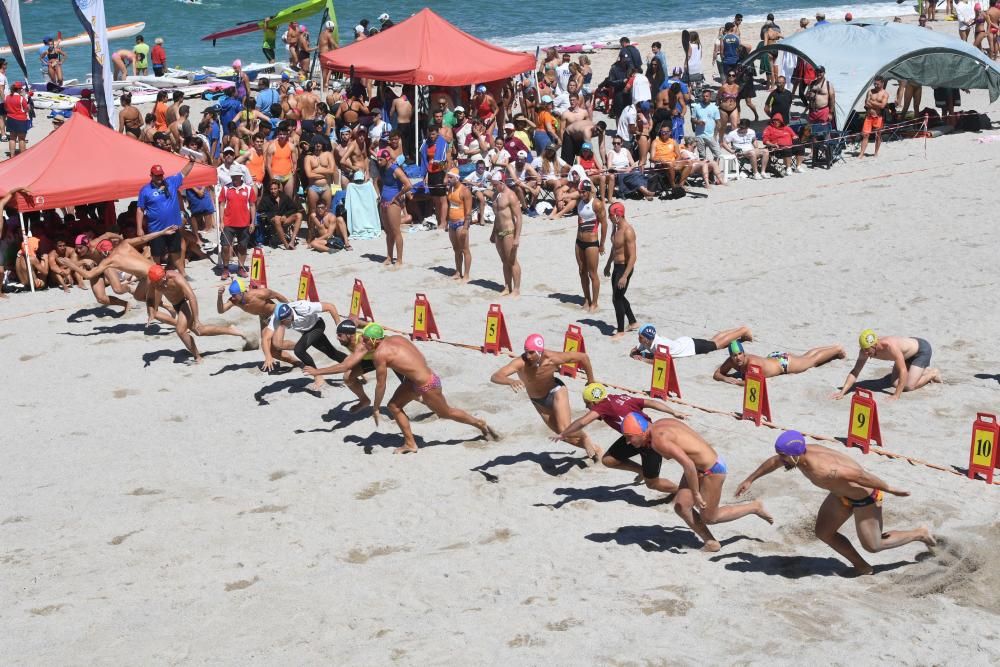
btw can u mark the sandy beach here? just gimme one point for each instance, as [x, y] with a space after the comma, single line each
[153, 511]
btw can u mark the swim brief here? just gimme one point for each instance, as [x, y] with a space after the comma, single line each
[504, 233]
[456, 225]
[548, 401]
[782, 358]
[718, 468]
[922, 359]
[320, 189]
[871, 499]
[583, 245]
[433, 383]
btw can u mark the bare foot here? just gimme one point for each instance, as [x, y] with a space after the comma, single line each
[505, 292]
[516, 293]
[408, 448]
[863, 571]
[465, 279]
[359, 406]
[593, 308]
[586, 306]
[387, 262]
[928, 537]
[457, 276]
[632, 327]
[199, 359]
[747, 337]
[712, 546]
[763, 513]
[318, 385]
[619, 335]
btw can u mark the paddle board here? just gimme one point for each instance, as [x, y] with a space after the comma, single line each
[114, 32]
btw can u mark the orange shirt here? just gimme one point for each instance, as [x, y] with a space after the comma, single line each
[160, 111]
[255, 165]
[546, 117]
[281, 160]
[664, 151]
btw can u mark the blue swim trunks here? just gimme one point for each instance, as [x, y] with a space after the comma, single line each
[719, 468]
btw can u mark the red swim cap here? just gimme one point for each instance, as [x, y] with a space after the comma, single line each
[617, 208]
[156, 273]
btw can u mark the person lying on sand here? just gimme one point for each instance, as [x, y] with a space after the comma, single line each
[535, 372]
[853, 490]
[398, 354]
[911, 359]
[612, 409]
[704, 471]
[685, 346]
[774, 364]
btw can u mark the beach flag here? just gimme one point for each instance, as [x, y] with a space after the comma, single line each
[91, 15]
[10, 15]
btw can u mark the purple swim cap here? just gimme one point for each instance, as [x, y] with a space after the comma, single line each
[790, 443]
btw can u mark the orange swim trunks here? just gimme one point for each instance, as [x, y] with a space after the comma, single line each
[872, 123]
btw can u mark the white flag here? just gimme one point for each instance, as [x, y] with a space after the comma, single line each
[91, 15]
[10, 16]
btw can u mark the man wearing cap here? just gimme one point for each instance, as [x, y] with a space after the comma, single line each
[853, 491]
[17, 109]
[238, 212]
[665, 156]
[524, 181]
[612, 410]
[700, 489]
[911, 359]
[733, 369]
[259, 301]
[327, 42]
[172, 286]
[385, 22]
[398, 354]
[483, 105]
[535, 371]
[506, 234]
[305, 317]
[159, 210]
[85, 105]
[622, 256]
[685, 346]
[229, 167]
[158, 57]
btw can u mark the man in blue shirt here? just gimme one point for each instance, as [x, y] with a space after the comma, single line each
[266, 96]
[729, 47]
[630, 52]
[159, 207]
[704, 116]
[229, 107]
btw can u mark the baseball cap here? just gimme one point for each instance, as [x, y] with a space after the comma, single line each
[497, 177]
[155, 273]
[586, 185]
[385, 154]
[328, 25]
[383, 17]
[459, 109]
[480, 88]
[508, 126]
[17, 85]
[229, 149]
[585, 146]
[522, 154]
[86, 93]
[546, 99]
[156, 170]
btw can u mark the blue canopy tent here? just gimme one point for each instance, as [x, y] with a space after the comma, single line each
[854, 54]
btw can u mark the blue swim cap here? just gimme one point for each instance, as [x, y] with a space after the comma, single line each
[283, 310]
[736, 347]
[238, 286]
[648, 331]
[790, 443]
[634, 423]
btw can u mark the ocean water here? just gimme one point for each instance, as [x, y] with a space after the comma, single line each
[519, 25]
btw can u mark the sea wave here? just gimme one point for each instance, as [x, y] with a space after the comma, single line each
[636, 31]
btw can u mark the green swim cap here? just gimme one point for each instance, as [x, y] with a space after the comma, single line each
[374, 331]
[735, 348]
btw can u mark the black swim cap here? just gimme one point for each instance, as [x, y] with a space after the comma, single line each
[347, 328]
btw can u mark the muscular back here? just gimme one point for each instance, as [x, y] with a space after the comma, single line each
[682, 436]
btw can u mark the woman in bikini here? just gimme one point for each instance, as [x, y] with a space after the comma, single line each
[729, 104]
[129, 117]
[590, 213]
[54, 58]
[395, 185]
[586, 72]
[643, 125]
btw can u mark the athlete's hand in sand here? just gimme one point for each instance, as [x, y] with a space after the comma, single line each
[516, 385]
[268, 365]
[893, 397]
[898, 492]
[699, 502]
[836, 395]
[556, 438]
[743, 488]
[309, 370]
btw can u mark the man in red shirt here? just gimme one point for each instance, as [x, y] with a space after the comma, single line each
[783, 143]
[86, 104]
[612, 410]
[159, 57]
[16, 105]
[238, 210]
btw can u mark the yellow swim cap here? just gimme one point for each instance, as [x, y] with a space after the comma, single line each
[595, 392]
[868, 339]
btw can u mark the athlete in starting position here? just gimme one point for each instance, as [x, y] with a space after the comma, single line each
[911, 359]
[774, 364]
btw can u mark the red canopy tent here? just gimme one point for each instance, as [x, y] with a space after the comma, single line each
[426, 50]
[84, 162]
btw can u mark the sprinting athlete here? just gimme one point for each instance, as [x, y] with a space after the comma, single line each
[535, 372]
[259, 301]
[853, 490]
[774, 364]
[398, 354]
[911, 359]
[612, 410]
[704, 471]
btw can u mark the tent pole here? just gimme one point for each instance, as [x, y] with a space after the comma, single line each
[416, 123]
[25, 250]
[218, 227]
